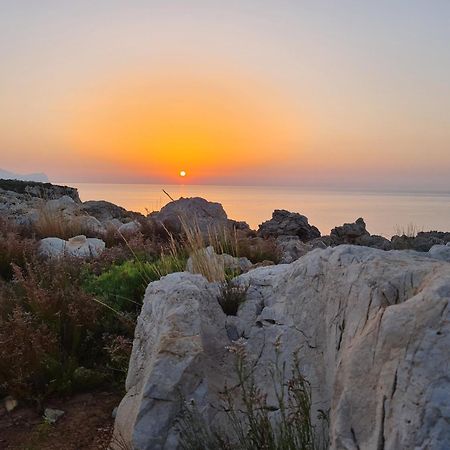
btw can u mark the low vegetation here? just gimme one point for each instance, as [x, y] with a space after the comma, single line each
[249, 421]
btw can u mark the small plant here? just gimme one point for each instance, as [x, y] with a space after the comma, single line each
[409, 231]
[52, 223]
[14, 249]
[231, 297]
[250, 421]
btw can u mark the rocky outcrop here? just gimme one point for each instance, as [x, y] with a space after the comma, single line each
[46, 191]
[292, 248]
[422, 242]
[285, 223]
[106, 211]
[28, 204]
[357, 234]
[78, 246]
[371, 329]
[195, 213]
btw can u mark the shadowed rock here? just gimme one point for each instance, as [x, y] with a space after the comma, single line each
[285, 223]
[195, 212]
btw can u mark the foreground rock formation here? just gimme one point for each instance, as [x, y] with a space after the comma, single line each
[371, 327]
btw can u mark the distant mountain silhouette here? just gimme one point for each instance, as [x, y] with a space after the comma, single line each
[41, 177]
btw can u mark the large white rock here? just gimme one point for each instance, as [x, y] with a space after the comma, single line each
[129, 228]
[441, 252]
[78, 246]
[371, 327]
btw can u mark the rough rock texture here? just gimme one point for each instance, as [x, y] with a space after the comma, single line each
[178, 350]
[130, 228]
[291, 247]
[285, 223]
[26, 202]
[45, 191]
[372, 329]
[106, 211]
[78, 246]
[194, 212]
[357, 234]
[422, 242]
[441, 252]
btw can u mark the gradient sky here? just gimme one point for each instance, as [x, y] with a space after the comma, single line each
[331, 93]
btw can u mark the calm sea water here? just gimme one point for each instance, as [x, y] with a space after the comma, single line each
[384, 212]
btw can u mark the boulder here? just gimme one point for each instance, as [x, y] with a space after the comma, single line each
[130, 228]
[441, 252]
[106, 211]
[357, 234]
[291, 247]
[78, 246]
[422, 242]
[285, 223]
[371, 329]
[195, 213]
[64, 203]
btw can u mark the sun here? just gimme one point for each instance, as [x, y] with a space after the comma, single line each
[182, 173]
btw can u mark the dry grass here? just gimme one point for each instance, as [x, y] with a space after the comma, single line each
[410, 230]
[53, 223]
[203, 262]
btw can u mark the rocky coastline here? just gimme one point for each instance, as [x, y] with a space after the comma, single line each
[367, 318]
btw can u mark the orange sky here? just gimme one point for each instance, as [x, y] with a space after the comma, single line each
[314, 93]
[210, 124]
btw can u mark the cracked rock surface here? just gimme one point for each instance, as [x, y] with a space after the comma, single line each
[371, 327]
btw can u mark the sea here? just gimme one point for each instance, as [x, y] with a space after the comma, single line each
[385, 213]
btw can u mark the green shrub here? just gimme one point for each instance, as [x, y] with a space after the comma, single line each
[14, 249]
[49, 327]
[122, 286]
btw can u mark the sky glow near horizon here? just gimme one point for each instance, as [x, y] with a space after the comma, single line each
[239, 92]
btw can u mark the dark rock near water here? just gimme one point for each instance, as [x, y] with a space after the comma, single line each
[285, 223]
[357, 234]
[105, 211]
[195, 212]
[46, 191]
[422, 242]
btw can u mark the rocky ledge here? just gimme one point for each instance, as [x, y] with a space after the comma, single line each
[371, 328]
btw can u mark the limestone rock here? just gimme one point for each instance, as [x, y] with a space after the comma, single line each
[130, 228]
[371, 327]
[178, 351]
[78, 246]
[292, 248]
[194, 212]
[285, 223]
[106, 211]
[441, 252]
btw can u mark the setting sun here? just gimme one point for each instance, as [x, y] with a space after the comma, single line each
[182, 173]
